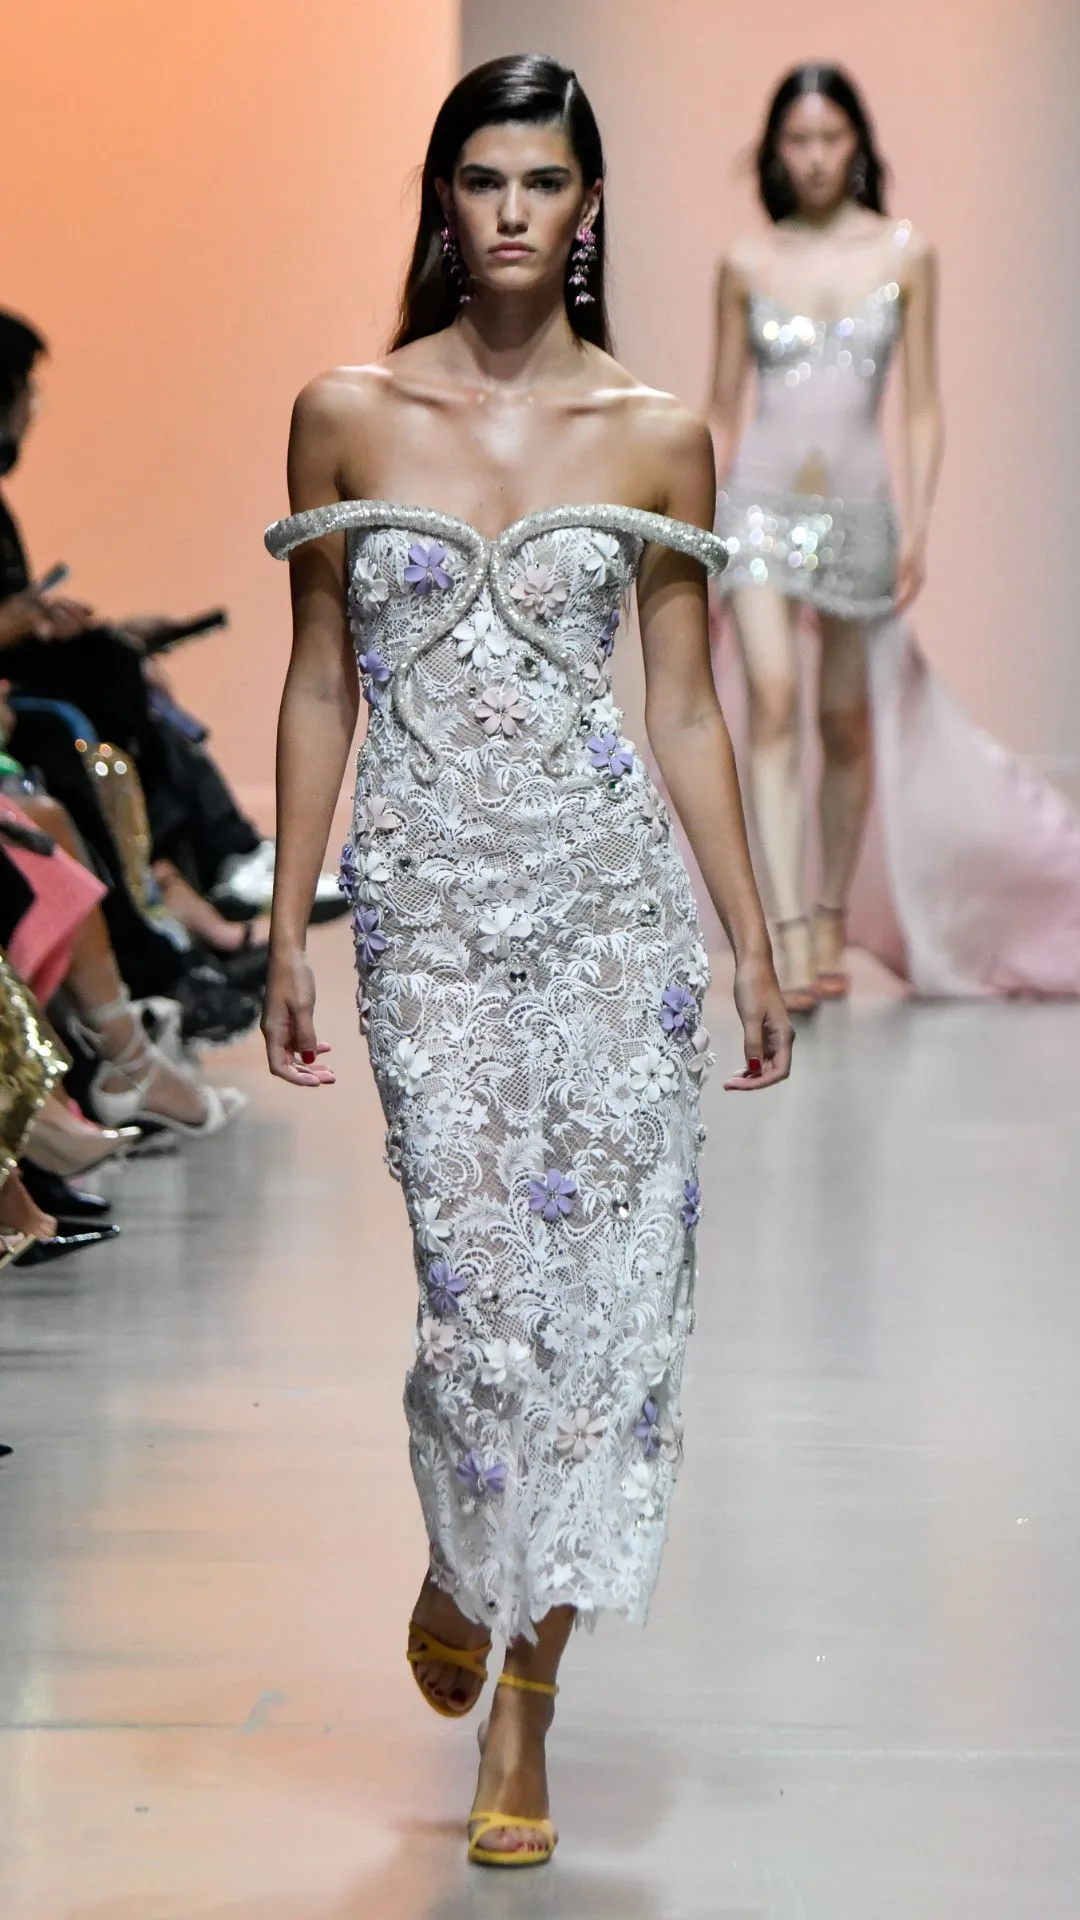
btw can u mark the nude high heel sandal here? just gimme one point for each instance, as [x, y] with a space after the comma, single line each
[59, 1142]
[800, 995]
[830, 983]
[485, 1820]
[137, 1063]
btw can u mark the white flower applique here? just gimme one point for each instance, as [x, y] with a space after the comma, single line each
[601, 561]
[481, 641]
[371, 590]
[501, 710]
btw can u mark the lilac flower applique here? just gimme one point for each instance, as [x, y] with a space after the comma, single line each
[678, 1009]
[648, 1428]
[608, 755]
[690, 1211]
[481, 1477]
[607, 634]
[348, 870]
[375, 675]
[426, 568]
[368, 935]
[444, 1288]
[553, 1194]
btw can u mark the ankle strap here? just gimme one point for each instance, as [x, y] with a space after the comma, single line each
[526, 1686]
[101, 1016]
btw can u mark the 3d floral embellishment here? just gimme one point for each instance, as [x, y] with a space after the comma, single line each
[431, 1231]
[410, 1063]
[536, 587]
[377, 816]
[699, 1059]
[481, 1477]
[370, 589]
[426, 568]
[671, 1438]
[436, 1343]
[363, 1009]
[638, 1486]
[481, 640]
[647, 1429]
[621, 1096]
[499, 926]
[602, 558]
[608, 754]
[690, 1211]
[553, 1195]
[374, 674]
[579, 1434]
[503, 1362]
[501, 709]
[656, 1359]
[368, 935]
[696, 968]
[444, 1286]
[607, 633]
[678, 1009]
[653, 816]
[653, 1074]
[348, 870]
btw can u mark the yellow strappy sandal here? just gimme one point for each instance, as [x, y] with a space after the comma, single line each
[483, 1820]
[470, 1660]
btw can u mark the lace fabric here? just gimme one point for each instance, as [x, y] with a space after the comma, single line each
[531, 981]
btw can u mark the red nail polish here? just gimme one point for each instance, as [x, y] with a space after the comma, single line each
[308, 1059]
[753, 1068]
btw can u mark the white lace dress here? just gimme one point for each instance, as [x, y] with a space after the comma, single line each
[531, 977]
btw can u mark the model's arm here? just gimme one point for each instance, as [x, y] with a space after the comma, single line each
[923, 419]
[693, 750]
[729, 365]
[315, 731]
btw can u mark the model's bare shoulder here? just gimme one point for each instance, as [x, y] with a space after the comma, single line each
[919, 252]
[341, 397]
[740, 266]
[676, 451]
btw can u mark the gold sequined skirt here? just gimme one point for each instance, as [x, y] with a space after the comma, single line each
[31, 1062]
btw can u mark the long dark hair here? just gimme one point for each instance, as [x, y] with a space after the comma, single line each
[526, 87]
[20, 346]
[868, 171]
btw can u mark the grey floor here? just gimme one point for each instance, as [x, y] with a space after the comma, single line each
[859, 1695]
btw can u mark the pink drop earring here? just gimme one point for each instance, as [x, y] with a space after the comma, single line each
[581, 263]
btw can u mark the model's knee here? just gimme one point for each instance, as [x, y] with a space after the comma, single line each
[773, 714]
[845, 734]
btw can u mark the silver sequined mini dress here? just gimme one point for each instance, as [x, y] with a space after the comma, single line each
[807, 507]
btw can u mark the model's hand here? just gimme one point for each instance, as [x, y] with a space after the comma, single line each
[910, 574]
[23, 617]
[767, 1031]
[288, 1024]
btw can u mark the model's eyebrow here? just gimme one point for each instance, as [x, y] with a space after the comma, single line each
[475, 169]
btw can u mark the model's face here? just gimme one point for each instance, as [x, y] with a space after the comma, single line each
[516, 203]
[817, 145]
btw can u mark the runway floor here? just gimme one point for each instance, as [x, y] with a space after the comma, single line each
[859, 1695]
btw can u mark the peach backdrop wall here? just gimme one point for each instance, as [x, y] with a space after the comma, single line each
[975, 104]
[203, 206]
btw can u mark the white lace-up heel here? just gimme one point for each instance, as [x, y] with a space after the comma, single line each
[137, 1063]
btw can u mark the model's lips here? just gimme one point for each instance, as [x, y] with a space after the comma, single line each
[512, 252]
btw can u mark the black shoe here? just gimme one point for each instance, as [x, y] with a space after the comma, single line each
[213, 1010]
[246, 968]
[55, 1195]
[4, 1450]
[43, 1251]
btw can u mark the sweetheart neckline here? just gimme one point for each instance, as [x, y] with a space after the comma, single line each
[494, 539]
[830, 326]
[639, 522]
